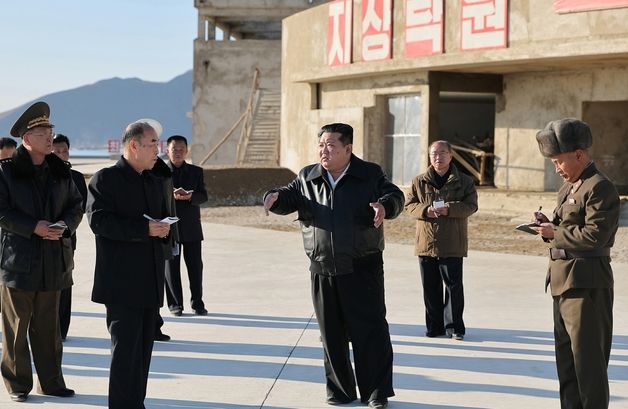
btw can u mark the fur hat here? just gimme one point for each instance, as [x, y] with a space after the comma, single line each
[564, 135]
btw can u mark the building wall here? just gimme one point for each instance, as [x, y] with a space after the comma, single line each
[223, 77]
[553, 63]
[533, 99]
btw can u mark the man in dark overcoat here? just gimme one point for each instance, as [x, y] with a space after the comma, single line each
[189, 194]
[341, 203]
[130, 260]
[581, 234]
[40, 209]
[61, 148]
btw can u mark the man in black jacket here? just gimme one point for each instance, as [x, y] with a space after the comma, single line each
[61, 148]
[130, 259]
[189, 193]
[40, 208]
[341, 204]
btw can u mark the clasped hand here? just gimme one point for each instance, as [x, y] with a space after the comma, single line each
[43, 230]
[158, 229]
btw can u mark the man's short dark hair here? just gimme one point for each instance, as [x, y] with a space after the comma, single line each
[345, 131]
[7, 143]
[179, 138]
[61, 138]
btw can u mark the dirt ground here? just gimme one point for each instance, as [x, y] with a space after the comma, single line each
[487, 232]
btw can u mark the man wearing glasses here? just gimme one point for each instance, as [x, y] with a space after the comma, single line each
[441, 200]
[40, 209]
[124, 205]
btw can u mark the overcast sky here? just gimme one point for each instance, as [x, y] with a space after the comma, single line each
[54, 45]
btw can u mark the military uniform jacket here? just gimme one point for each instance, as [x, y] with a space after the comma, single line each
[28, 262]
[189, 177]
[442, 236]
[586, 221]
[129, 263]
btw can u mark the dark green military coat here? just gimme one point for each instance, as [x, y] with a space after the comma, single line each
[586, 221]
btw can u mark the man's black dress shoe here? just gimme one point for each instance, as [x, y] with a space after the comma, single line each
[176, 311]
[200, 311]
[378, 403]
[162, 337]
[18, 396]
[336, 401]
[62, 393]
[434, 334]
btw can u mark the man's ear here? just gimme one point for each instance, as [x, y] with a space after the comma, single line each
[349, 148]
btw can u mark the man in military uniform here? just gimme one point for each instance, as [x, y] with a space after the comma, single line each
[40, 209]
[581, 234]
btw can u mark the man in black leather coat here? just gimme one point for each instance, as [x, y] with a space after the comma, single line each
[341, 203]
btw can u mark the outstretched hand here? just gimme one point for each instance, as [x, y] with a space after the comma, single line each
[269, 201]
[380, 213]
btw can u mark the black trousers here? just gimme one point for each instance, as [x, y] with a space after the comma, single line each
[194, 263]
[352, 306]
[65, 311]
[443, 314]
[132, 335]
[583, 332]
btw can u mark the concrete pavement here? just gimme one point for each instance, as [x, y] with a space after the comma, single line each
[259, 345]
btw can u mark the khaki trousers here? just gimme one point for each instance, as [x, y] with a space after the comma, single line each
[583, 330]
[30, 316]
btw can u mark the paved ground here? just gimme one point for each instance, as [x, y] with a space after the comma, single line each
[259, 347]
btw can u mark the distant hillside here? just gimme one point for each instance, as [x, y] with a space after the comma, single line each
[92, 114]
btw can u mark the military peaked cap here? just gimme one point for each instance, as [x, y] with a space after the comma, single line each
[36, 115]
[564, 135]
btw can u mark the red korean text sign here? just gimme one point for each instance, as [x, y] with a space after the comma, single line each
[339, 27]
[484, 24]
[567, 6]
[424, 27]
[376, 24]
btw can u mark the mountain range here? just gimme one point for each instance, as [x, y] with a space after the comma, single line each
[91, 115]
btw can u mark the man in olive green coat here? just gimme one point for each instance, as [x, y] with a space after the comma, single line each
[581, 234]
[441, 200]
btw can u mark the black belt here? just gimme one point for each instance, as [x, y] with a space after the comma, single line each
[562, 254]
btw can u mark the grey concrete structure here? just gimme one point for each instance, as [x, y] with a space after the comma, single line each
[547, 64]
[225, 60]
[259, 345]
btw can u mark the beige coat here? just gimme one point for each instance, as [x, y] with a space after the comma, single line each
[445, 236]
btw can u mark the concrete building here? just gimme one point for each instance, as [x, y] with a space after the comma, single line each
[483, 74]
[237, 68]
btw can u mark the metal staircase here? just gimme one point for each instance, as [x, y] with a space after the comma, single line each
[262, 146]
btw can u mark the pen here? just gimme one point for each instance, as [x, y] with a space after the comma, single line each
[540, 207]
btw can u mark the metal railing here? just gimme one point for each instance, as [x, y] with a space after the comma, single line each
[246, 116]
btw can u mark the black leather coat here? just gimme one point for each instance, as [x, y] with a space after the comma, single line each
[28, 262]
[337, 224]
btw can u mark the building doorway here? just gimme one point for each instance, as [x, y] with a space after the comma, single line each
[609, 125]
[467, 120]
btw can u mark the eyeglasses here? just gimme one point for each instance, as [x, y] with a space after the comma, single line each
[440, 153]
[45, 132]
